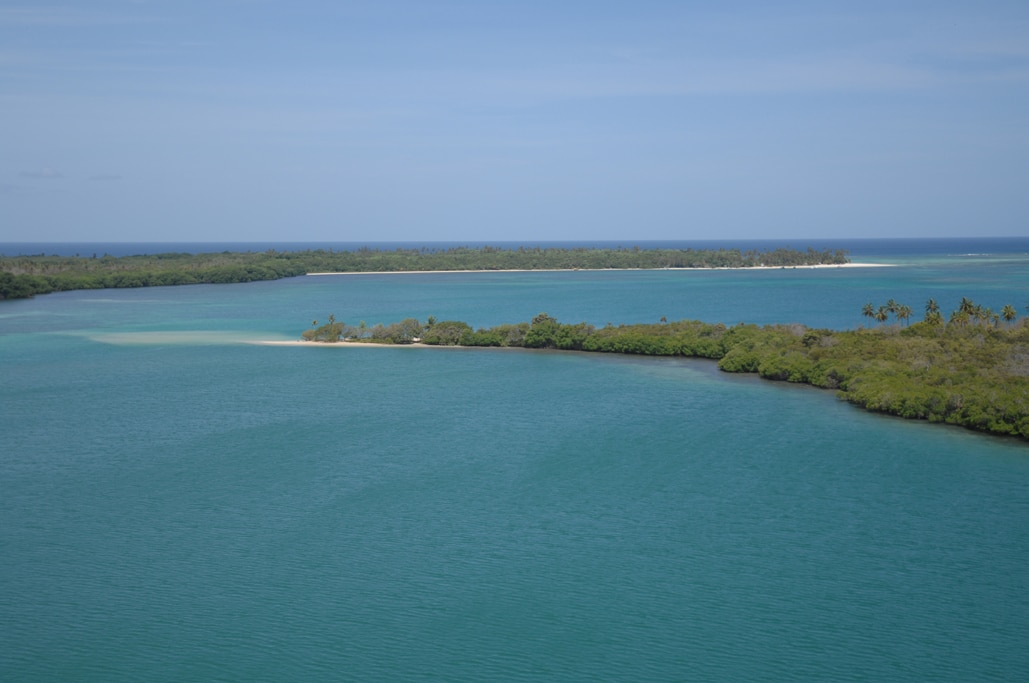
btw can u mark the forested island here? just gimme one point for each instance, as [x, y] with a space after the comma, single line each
[970, 368]
[26, 276]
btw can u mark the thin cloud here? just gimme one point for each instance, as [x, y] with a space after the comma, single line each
[104, 177]
[60, 16]
[45, 173]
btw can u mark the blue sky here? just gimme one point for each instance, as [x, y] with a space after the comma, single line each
[235, 120]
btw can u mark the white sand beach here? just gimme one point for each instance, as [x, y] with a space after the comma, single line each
[559, 270]
[347, 344]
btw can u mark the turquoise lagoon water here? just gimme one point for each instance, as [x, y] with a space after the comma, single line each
[179, 504]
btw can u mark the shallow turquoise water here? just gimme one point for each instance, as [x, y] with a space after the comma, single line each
[177, 505]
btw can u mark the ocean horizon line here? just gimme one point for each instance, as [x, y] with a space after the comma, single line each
[856, 246]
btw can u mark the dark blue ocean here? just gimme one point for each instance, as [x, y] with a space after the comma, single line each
[180, 503]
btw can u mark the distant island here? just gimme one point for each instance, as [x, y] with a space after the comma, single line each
[970, 368]
[26, 276]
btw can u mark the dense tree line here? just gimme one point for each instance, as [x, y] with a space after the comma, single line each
[25, 276]
[956, 371]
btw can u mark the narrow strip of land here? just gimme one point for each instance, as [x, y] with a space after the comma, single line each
[27, 276]
[970, 370]
[590, 270]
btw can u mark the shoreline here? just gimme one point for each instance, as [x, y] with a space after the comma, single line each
[800, 370]
[304, 342]
[600, 270]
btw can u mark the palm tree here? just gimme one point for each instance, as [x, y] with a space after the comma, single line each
[932, 312]
[1008, 313]
[868, 310]
[892, 306]
[903, 313]
[335, 331]
[882, 314]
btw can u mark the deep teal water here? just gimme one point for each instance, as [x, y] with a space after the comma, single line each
[176, 504]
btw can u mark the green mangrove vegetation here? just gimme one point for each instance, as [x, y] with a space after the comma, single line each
[970, 370]
[26, 276]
